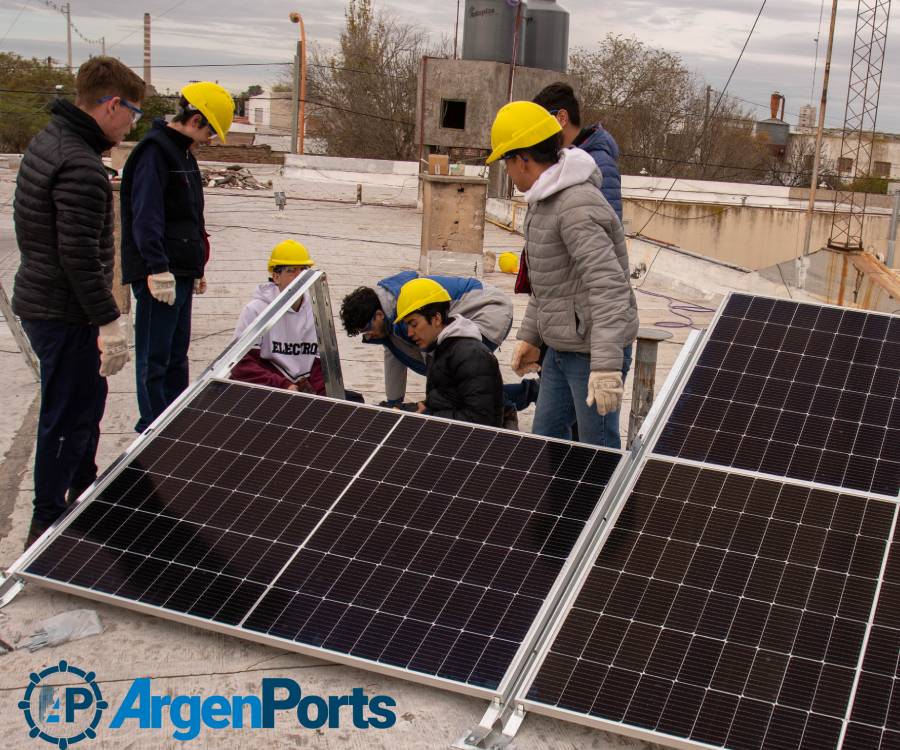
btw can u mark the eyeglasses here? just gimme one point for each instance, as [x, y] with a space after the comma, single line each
[368, 326]
[137, 114]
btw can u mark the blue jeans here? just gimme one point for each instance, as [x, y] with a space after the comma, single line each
[73, 398]
[162, 335]
[561, 402]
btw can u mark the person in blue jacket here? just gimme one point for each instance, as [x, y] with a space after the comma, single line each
[373, 313]
[560, 100]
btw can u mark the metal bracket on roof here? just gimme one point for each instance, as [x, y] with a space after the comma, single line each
[9, 589]
[475, 738]
[510, 729]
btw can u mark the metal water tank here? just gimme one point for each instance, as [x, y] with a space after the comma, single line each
[546, 36]
[489, 29]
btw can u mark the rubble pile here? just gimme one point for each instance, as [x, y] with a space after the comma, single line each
[233, 177]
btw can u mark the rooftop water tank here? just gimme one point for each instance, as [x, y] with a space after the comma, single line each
[546, 36]
[775, 129]
[489, 30]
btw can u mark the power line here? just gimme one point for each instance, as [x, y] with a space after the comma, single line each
[15, 20]
[712, 114]
[139, 28]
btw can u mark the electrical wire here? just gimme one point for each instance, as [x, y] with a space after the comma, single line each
[700, 139]
[680, 308]
[15, 20]
[140, 28]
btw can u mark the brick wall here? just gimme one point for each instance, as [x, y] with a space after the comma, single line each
[239, 154]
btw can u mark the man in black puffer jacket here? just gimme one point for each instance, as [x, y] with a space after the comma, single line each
[463, 378]
[63, 289]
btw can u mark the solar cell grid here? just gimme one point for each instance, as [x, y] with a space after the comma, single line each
[206, 516]
[415, 543]
[795, 390]
[728, 610]
[441, 554]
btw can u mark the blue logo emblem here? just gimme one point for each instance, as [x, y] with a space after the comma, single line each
[62, 705]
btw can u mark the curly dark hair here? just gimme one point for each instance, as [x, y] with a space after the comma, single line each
[358, 308]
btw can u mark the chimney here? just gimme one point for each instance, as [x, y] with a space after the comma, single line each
[147, 49]
[776, 102]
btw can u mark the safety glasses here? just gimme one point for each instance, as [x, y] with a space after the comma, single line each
[136, 114]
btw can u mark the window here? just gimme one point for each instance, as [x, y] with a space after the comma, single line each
[882, 169]
[258, 115]
[845, 165]
[453, 114]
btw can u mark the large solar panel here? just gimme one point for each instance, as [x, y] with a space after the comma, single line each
[797, 390]
[727, 610]
[398, 540]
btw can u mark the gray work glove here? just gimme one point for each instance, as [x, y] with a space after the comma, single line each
[162, 287]
[605, 390]
[113, 349]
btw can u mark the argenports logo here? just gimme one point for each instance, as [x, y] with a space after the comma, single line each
[63, 706]
[58, 711]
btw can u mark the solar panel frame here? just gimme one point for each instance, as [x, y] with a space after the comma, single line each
[19, 569]
[521, 700]
[678, 393]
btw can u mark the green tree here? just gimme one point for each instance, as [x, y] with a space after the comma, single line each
[28, 90]
[153, 107]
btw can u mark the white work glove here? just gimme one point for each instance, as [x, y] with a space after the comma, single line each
[113, 349]
[605, 390]
[200, 286]
[525, 359]
[162, 287]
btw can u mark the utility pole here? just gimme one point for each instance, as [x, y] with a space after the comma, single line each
[69, 34]
[295, 101]
[803, 260]
[704, 147]
[456, 33]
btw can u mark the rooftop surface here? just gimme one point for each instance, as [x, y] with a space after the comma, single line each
[355, 245]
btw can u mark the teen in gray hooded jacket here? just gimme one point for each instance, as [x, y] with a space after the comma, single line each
[575, 262]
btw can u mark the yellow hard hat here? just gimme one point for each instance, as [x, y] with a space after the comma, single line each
[520, 125]
[213, 102]
[508, 262]
[415, 294]
[289, 253]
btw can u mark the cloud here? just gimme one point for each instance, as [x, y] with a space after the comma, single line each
[707, 34]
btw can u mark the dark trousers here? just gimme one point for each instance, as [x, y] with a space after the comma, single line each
[73, 398]
[162, 335]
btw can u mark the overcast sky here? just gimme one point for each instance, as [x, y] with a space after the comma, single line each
[780, 56]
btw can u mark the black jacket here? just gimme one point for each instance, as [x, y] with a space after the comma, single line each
[463, 381]
[64, 223]
[162, 208]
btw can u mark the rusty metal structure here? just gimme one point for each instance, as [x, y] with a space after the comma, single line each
[863, 93]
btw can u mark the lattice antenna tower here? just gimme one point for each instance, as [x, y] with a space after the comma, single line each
[864, 91]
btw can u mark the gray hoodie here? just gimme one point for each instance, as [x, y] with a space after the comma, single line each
[581, 296]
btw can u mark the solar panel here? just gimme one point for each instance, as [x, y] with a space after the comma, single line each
[392, 539]
[796, 390]
[727, 610]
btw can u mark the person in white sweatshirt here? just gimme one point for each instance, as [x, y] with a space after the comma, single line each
[287, 356]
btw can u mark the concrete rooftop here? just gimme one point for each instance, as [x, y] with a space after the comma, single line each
[355, 246]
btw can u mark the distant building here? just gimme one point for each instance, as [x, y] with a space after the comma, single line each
[807, 118]
[270, 111]
[885, 153]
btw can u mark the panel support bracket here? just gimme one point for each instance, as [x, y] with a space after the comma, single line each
[475, 738]
[9, 589]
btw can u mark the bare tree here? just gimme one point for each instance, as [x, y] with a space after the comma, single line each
[663, 116]
[362, 100]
